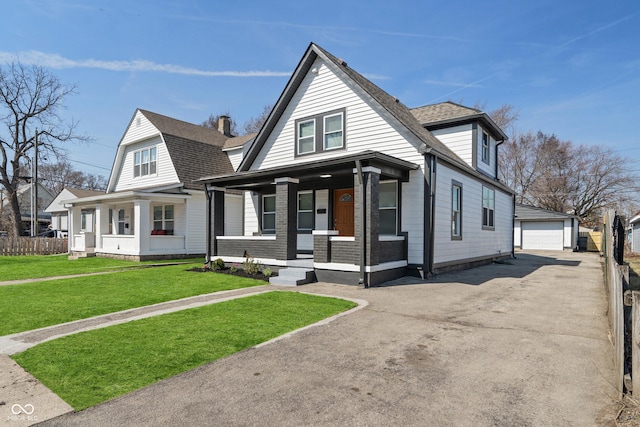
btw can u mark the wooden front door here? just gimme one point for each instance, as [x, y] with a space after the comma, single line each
[343, 212]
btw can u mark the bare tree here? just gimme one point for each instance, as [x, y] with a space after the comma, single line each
[30, 101]
[254, 124]
[213, 120]
[56, 176]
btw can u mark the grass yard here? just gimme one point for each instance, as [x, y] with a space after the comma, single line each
[34, 267]
[92, 367]
[34, 305]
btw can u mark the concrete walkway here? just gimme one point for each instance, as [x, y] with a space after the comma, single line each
[523, 343]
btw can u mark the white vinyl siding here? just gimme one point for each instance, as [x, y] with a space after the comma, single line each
[166, 173]
[476, 242]
[367, 126]
[235, 157]
[251, 208]
[190, 217]
[233, 215]
[458, 139]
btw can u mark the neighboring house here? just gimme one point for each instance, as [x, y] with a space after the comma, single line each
[634, 224]
[541, 229]
[152, 208]
[60, 212]
[346, 182]
[24, 199]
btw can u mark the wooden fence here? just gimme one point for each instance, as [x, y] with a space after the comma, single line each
[594, 240]
[33, 246]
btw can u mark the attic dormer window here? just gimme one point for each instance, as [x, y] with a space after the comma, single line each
[145, 162]
[485, 147]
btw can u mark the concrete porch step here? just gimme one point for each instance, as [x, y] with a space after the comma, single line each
[293, 276]
[89, 253]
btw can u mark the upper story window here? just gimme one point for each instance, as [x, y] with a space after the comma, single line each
[322, 132]
[485, 147]
[145, 162]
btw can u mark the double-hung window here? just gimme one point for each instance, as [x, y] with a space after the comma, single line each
[121, 221]
[388, 208]
[456, 211]
[145, 162]
[163, 218]
[305, 210]
[488, 208]
[485, 147]
[269, 214]
[333, 134]
[321, 132]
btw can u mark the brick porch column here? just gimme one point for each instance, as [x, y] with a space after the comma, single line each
[215, 219]
[367, 214]
[286, 218]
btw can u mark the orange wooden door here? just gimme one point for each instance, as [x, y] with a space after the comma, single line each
[343, 212]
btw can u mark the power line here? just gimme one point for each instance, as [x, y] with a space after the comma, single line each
[89, 164]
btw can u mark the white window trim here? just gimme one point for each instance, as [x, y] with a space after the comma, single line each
[395, 208]
[325, 133]
[313, 136]
[164, 219]
[485, 148]
[267, 230]
[304, 211]
[141, 154]
[488, 225]
[456, 215]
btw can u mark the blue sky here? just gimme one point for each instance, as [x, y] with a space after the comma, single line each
[569, 67]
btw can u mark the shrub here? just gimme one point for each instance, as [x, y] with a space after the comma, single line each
[250, 266]
[267, 272]
[233, 268]
[217, 264]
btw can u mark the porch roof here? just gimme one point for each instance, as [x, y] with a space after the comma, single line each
[390, 167]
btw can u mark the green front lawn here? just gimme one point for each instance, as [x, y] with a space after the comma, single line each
[91, 367]
[38, 266]
[35, 305]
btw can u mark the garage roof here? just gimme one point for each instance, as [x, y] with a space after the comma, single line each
[532, 213]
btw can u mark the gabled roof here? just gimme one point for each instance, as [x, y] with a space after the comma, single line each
[526, 212]
[398, 110]
[450, 113]
[78, 192]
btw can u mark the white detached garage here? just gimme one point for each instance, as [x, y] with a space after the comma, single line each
[541, 229]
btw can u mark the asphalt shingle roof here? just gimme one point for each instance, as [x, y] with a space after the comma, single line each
[443, 111]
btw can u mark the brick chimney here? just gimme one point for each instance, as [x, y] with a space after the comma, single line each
[224, 125]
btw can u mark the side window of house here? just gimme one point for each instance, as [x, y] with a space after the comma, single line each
[456, 211]
[269, 214]
[121, 218]
[145, 162]
[488, 208]
[319, 133]
[389, 208]
[485, 147]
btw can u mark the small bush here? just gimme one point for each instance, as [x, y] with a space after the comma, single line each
[250, 266]
[267, 272]
[233, 268]
[217, 264]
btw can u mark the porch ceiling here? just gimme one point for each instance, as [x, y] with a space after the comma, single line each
[391, 168]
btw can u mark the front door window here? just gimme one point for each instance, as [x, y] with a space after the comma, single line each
[343, 211]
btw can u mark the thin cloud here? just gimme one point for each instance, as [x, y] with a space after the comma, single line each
[465, 86]
[597, 30]
[54, 60]
[453, 84]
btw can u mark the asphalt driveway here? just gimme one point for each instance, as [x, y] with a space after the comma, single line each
[517, 344]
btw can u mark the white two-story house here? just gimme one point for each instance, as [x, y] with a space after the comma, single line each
[152, 208]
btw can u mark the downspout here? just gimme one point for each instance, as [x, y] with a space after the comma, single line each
[432, 227]
[513, 228]
[496, 157]
[207, 259]
[363, 228]
[429, 247]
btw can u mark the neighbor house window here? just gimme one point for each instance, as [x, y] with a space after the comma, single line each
[488, 208]
[121, 223]
[456, 211]
[389, 207]
[269, 214]
[319, 133]
[305, 210]
[145, 162]
[163, 218]
[333, 131]
[485, 147]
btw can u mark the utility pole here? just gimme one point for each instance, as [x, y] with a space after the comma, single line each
[34, 189]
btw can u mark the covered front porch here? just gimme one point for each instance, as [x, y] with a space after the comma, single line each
[339, 217]
[130, 225]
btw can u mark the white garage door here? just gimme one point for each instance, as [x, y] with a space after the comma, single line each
[543, 235]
